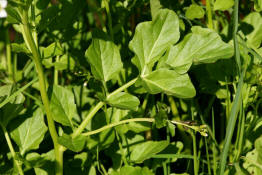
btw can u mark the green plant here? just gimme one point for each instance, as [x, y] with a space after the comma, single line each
[73, 78]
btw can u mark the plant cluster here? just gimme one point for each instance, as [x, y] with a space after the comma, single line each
[130, 87]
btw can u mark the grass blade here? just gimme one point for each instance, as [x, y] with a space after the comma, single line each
[231, 124]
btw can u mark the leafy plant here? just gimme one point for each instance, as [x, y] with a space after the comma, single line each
[130, 87]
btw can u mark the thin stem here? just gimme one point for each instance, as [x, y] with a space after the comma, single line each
[27, 34]
[122, 88]
[11, 148]
[8, 56]
[56, 72]
[82, 126]
[194, 145]
[118, 123]
[214, 145]
[236, 47]
[106, 2]
[208, 160]
[209, 14]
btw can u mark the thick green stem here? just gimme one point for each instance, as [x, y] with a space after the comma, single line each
[11, 148]
[209, 14]
[27, 34]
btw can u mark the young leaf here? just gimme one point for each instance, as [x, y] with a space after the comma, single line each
[52, 50]
[31, 132]
[223, 4]
[161, 119]
[202, 46]
[74, 144]
[104, 58]
[124, 100]
[130, 170]
[195, 11]
[155, 6]
[169, 82]
[62, 105]
[258, 5]
[153, 38]
[18, 48]
[147, 149]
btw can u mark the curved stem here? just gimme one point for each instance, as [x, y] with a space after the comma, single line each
[209, 14]
[82, 126]
[27, 35]
[11, 148]
[118, 123]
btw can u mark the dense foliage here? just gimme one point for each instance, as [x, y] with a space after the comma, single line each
[130, 87]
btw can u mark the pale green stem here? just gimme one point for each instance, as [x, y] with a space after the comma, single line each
[27, 34]
[82, 126]
[56, 72]
[209, 14]
[11, 148]
[118, 123]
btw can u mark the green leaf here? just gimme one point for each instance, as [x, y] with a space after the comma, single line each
[147, 149]
[202, 46]
[252, 27]
[62, 105]
[104, 58]
[169, 82]
[223, 4]
[152, 38]
[195, 11]
[161, 119]
[74, 144]
[52, 50]
[130, 170]
[155, 6]
[258, 5]
[13, 15]
[18, 48]
[65, 62]
[12, 107]
[30, 133]
[124, 100]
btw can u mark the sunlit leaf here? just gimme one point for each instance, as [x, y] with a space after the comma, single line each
[147, 149]
[169, 82]
[152, 38]
[30, 133]
[104, 58]
[201, 46]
